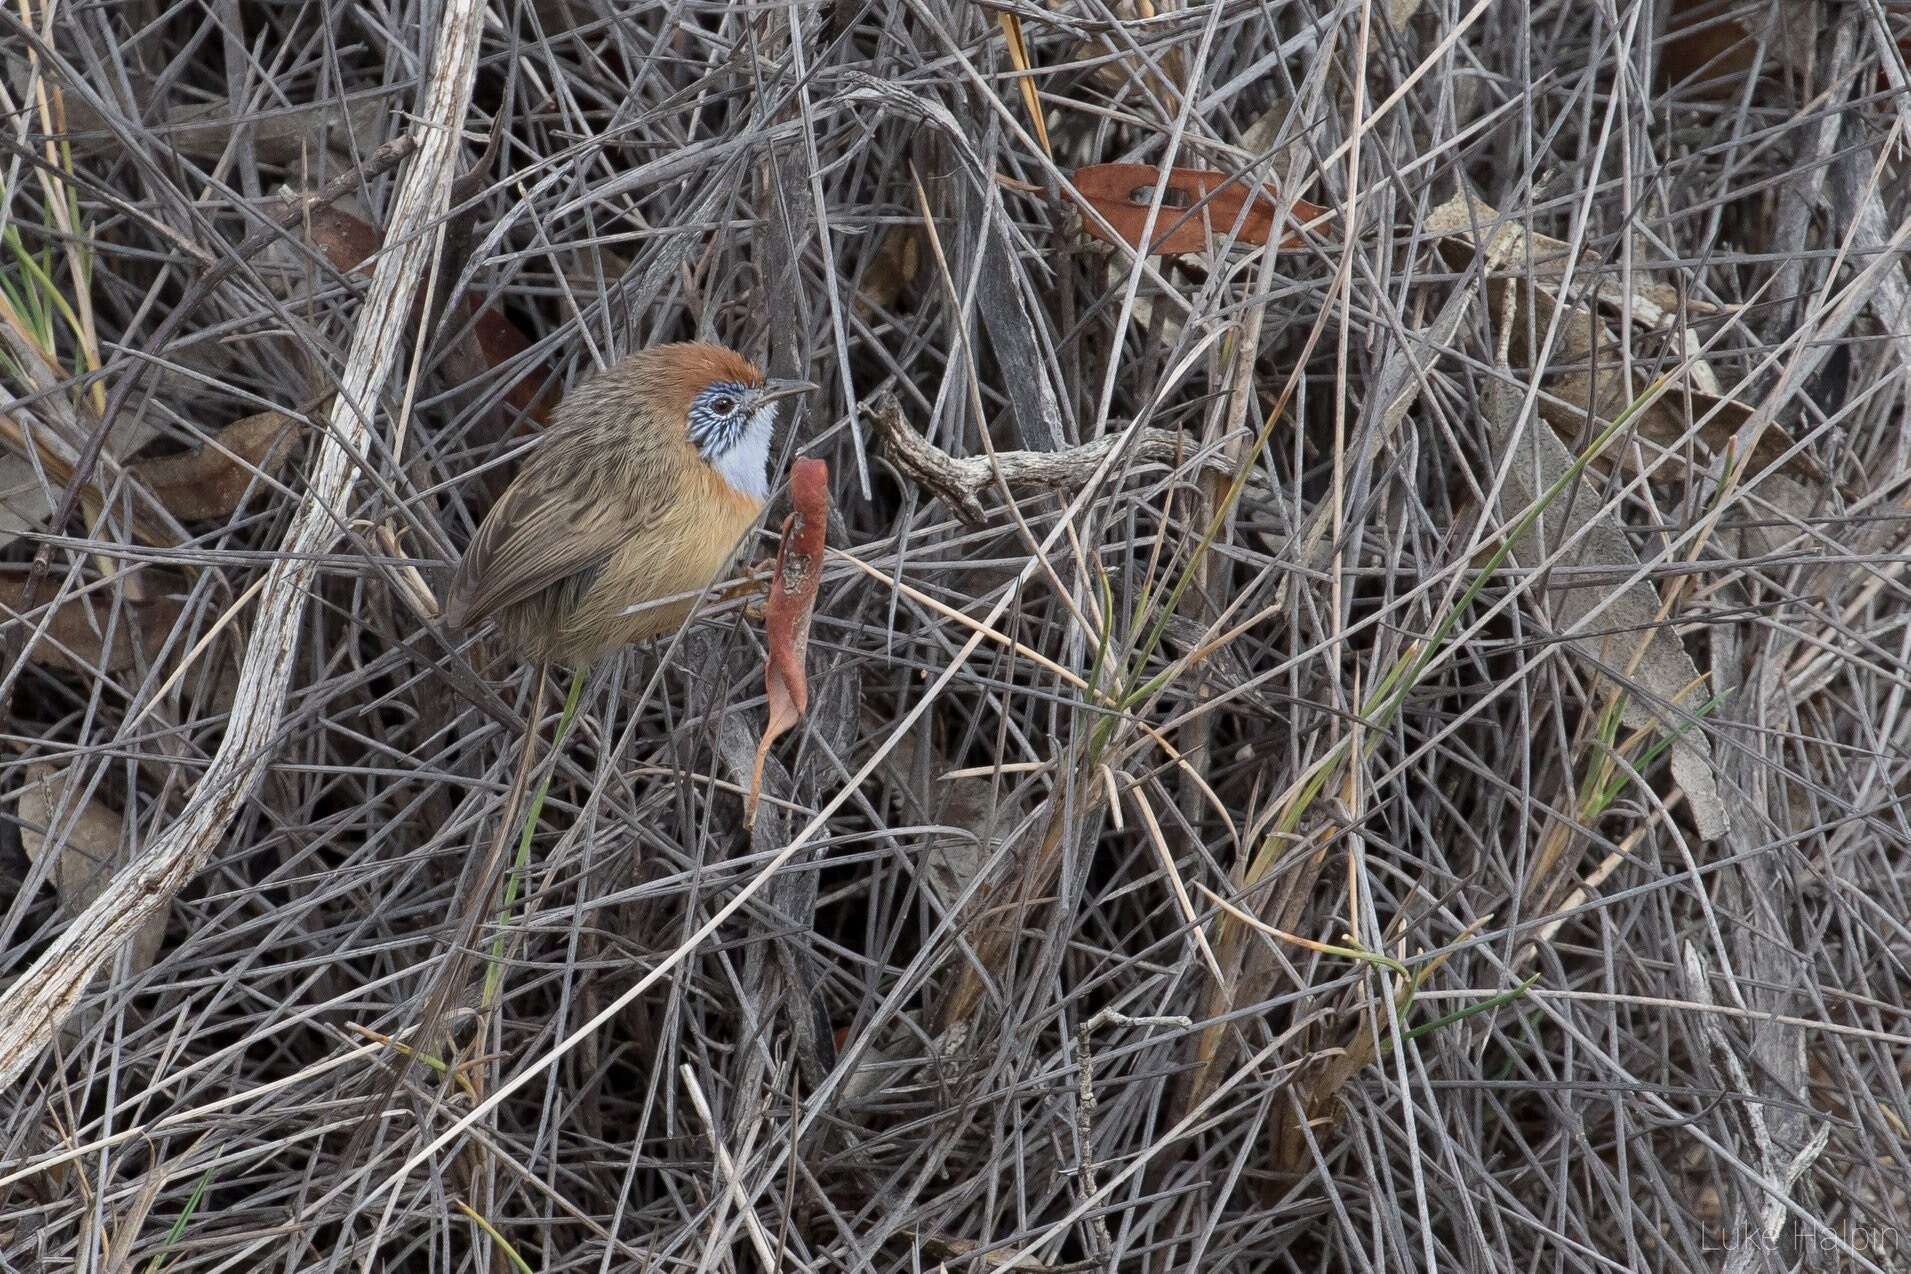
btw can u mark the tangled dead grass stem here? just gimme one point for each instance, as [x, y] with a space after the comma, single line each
[1259, 801]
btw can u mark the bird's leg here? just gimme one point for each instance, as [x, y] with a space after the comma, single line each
[751, 584]
[752, 579]
[495, 974]
[423, 1043]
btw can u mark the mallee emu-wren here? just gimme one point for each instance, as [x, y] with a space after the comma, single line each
[641, 490]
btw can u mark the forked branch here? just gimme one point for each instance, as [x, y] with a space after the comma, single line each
[959, 483]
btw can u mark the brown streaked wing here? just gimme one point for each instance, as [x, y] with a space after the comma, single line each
[532, 538]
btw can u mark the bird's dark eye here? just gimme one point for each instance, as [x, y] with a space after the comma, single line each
[724, 404]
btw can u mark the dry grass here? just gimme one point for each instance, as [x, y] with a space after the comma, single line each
[1446, 816]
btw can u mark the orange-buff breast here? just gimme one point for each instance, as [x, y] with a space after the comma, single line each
[688, 548]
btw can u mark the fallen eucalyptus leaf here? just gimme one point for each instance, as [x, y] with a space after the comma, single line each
[895, 267]
[1197, 205]
[75, 640]
[1584, 365]
[975, 804]
[1643, 646]
[23, 499]
[25, 502]
[87, 841]
[1400, 13]
[1686, 413]
[349, 242]
[786, 616]
[208, 482]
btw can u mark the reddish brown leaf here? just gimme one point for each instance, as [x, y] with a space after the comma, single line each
[499, 340]
[1706, 48]
[349, 242]
[76, 638]
[1710, 46]
[1196, 201]
[895, 267]
[786, 616]
[208, 483]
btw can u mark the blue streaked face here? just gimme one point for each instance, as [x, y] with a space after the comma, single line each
[719, 417]
[730, 426]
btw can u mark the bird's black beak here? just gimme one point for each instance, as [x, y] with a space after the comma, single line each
[777, 390]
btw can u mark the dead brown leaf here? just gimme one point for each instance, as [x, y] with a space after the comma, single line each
[896, 265]
[87, 840]
[498, 341]
[1649, 653]
[1584, 367]
[979, 804]
[208, 482]
[786, 616]
[1197, 205]
[1590, 354]
[349, 243]
[1400, 12]
[1707, 45]
[76, 639]
[51, 449]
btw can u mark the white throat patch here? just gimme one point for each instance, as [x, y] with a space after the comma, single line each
[746, 464]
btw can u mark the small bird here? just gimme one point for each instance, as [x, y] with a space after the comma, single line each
[640, 491]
